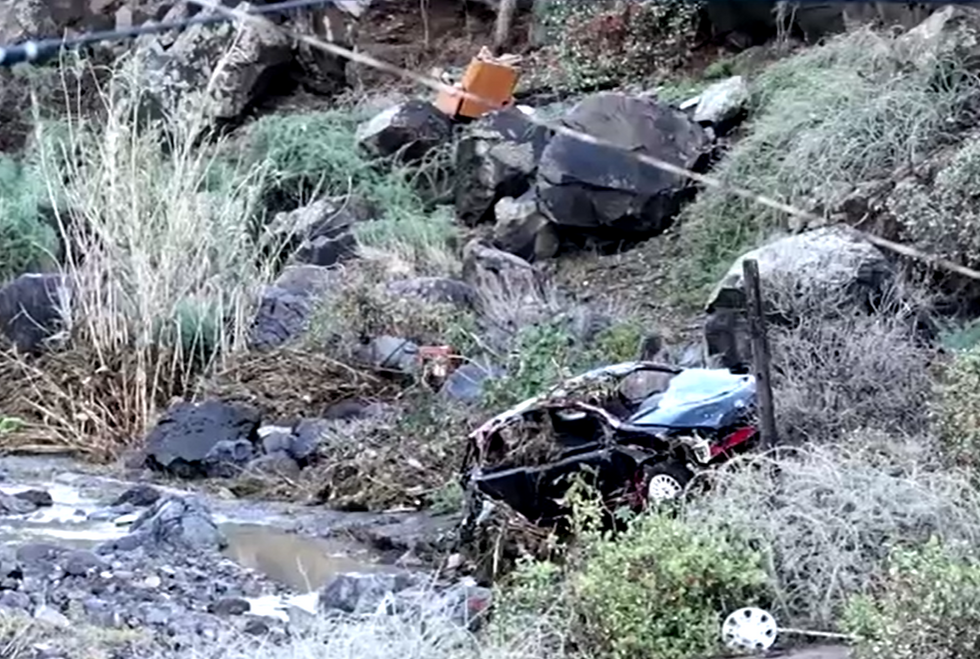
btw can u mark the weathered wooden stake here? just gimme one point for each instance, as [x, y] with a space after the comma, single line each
[760, 352]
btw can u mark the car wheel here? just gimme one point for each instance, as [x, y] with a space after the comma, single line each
[665, 481]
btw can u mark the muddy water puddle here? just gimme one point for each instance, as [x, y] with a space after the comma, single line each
[298, 562]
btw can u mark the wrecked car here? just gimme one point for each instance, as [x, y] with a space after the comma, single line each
[639, 431]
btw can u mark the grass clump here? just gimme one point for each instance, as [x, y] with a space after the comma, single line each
[829, 517]
[316, 154]
[163, 272]
[856, 109]
[928, 605]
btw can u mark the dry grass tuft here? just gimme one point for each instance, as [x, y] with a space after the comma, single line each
[828, 516]
[76, 401]
[290, 384]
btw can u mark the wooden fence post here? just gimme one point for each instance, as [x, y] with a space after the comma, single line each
[761, 357]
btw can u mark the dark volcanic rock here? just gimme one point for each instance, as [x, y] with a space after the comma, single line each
[496, 158]
[603, 196]
[191, 440]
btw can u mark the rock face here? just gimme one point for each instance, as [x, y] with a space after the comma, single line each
[721, 103]
[286, 306]
[827, 268]
[408, 130]
[217, 69]
[434, 290]
[827, 263]
[602, 195]
[202, 439]
[32, 310]
[496, 158]
[522, 229]
[175, 523]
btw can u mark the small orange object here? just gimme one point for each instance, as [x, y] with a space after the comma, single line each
[493, 80]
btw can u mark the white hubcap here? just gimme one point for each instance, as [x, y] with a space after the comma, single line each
[750, 629]
[663, 487]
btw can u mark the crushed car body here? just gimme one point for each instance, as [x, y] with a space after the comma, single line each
[640, 431]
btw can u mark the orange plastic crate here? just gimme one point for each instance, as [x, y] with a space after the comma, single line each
[490, 80]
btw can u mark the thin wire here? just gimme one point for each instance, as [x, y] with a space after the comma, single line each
[35, 51]
[663, 165]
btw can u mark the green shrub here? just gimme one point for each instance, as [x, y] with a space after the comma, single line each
[943, 215]
[25, 239]
[597, 43]
[928, 606]
[541, 356]
[316, 154]
[958, 412]
[853, 110]
[661, 588]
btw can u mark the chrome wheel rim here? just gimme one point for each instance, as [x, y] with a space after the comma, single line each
[663, 487]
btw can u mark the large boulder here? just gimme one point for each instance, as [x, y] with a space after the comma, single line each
[202, 439]
[821, 271]
[181, 523]
[830, 263]
[34, 309]
[220, 69]
[496, 158]
[951, 33]
[499, 274]
[408, 130]
[604, 195]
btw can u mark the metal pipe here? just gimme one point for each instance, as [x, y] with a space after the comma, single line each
[35, 51]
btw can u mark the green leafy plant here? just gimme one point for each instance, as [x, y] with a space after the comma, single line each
[541, 356]
[928, 606]
[958, 410]
[25, 238]
[595, 43]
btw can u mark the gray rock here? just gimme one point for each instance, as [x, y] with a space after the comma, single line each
[722, 103]
[227, 457]
[229, 606]
[81, 563]
[196, 439]
[467, 382]
[603, 196]
[307, 280]
[177, 523]
[408, 130]
[362, 593]
[503, 274]
[522, 229]
[830, 264]
[277, 441]
[391, 353]
[281, 317]
[319, 233]
[11, 505]
[10, 599]
[50, 616]
[200, 71]
[38, 498]
[496, 158]
[33, 309]
[138, 496]
[438, 290]
[39, 555]
[279, 463]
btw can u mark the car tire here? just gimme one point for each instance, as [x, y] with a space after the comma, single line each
[665, 481]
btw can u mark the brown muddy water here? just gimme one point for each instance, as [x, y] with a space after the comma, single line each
[301, 563]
